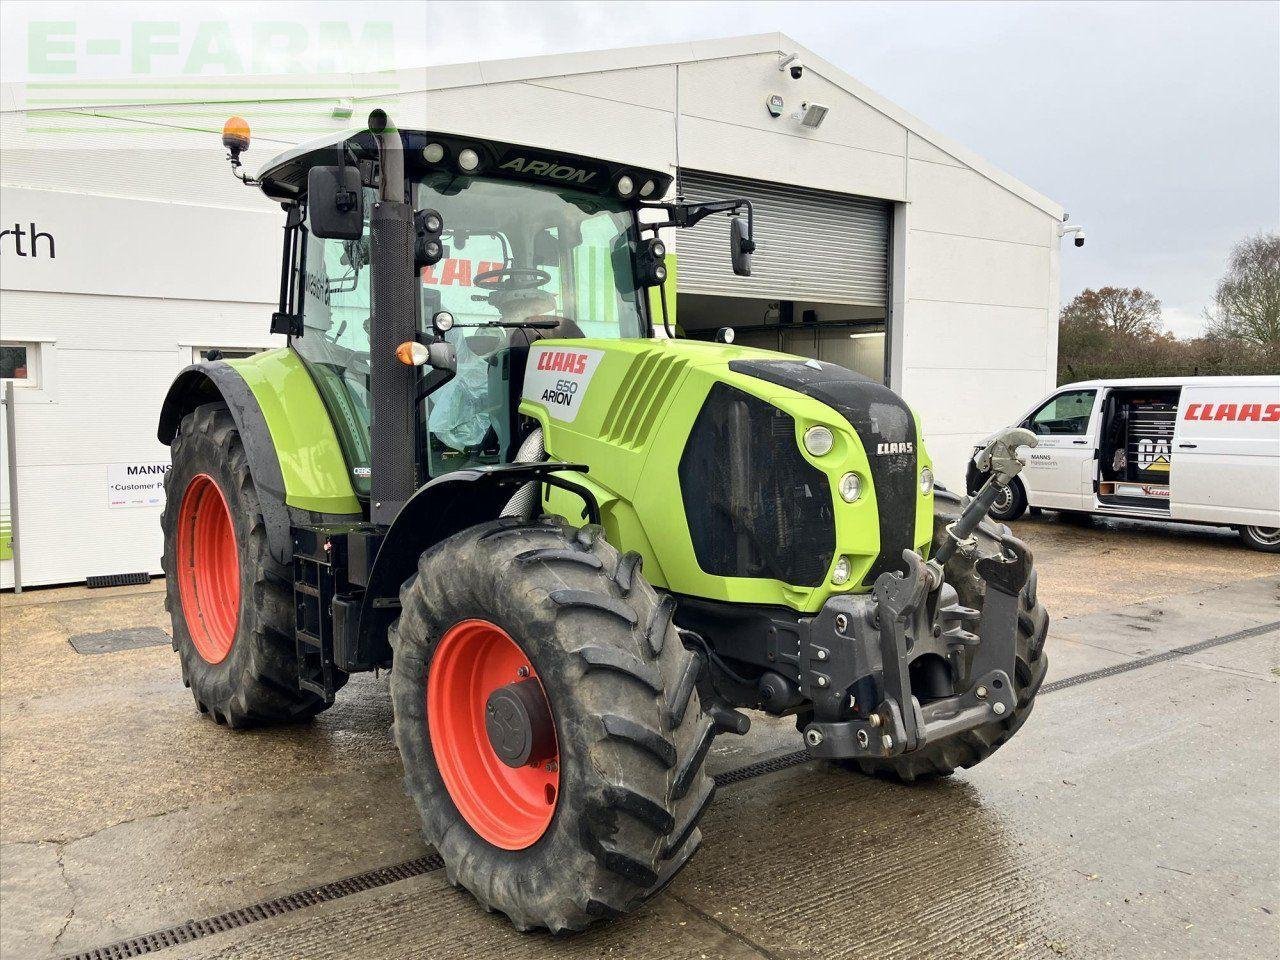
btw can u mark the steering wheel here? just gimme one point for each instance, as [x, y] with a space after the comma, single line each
[511, 278]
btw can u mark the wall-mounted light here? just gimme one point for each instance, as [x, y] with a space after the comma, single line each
[343, 109]
[811, 115]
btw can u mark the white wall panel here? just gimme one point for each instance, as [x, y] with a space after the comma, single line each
[760, 155]
[958, 201]
[642, 86]
[958, 407]
[970, 270]
[119, 323]
[124, 158]
[976, 336]
[735, 90]
[141, 248]
[921, 149]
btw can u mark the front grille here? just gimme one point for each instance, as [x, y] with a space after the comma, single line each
[883, 422]
[754, 505]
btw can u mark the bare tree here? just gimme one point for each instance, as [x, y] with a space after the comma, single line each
[1246, 307]
[1117, 311]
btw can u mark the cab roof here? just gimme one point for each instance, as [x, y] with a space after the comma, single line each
[284, 178]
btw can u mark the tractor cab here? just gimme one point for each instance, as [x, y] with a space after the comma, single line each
[511, 245]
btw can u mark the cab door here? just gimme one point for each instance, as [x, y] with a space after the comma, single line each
[1060, 470]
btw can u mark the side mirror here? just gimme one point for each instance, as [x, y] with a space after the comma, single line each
[335, 203]
[741, 247]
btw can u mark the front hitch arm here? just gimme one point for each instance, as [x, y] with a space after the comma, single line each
[1000, 460]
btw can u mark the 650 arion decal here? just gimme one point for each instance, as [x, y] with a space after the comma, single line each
[557, 378]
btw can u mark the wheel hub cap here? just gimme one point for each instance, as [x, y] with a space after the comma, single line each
[519, 724]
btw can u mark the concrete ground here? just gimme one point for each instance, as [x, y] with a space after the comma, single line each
[1136, 815]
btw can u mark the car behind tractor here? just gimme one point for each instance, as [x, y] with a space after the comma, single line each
[581, 550]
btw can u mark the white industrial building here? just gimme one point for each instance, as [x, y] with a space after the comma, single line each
[128, 247]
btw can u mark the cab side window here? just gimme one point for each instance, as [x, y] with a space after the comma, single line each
[1067, 414]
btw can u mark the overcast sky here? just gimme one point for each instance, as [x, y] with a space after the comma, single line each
[1157, 125]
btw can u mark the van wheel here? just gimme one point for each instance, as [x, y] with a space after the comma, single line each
[1010, 505]
[1266, 539]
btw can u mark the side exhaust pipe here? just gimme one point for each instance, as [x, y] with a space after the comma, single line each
[393, 436]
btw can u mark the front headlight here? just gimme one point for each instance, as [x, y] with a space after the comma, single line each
[840, 575]
[819, 441]
[850, 487]
[926, 481]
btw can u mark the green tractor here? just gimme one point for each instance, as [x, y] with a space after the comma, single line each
[579, 549]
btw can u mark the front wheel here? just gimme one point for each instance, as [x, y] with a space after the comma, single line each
[547, 717]
[1266, 539]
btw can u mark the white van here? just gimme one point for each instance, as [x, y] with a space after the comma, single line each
[1195, 449]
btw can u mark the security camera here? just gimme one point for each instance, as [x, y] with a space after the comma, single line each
[791, 63]
[1074, 228]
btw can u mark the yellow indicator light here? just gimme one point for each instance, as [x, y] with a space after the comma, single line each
[411, 353]
[235, 134]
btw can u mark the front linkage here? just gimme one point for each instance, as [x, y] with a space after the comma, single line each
[869, 644]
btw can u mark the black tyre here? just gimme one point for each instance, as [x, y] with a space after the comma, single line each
[1010, 505]
[971, 747]
[629, 737]
[1266, 539]
[230, 603]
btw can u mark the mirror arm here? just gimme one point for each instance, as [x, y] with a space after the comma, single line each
[690, 214]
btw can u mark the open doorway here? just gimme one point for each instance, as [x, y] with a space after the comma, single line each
[849, 335]
[819, 284]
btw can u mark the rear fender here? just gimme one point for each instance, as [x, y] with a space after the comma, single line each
[294, 455]
[214, 382]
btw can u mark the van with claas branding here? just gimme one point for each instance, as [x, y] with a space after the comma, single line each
[1193, 449]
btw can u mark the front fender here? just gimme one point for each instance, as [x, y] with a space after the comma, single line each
[446, 505]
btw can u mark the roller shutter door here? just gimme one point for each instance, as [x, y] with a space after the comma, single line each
[810, 245]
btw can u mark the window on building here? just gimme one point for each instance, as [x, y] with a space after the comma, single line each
[20, 362]
[200, 354]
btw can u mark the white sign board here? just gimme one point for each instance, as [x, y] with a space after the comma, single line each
[83, 243]
[136, 484]
[557, 377]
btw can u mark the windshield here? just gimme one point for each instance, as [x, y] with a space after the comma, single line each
[515, 252]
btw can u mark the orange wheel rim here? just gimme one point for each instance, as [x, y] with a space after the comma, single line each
[208, 569]
[510, 807]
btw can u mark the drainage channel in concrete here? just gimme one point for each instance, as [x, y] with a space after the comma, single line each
[193, 930]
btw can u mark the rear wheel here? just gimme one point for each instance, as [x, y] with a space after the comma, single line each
[1266, 539]
[547, 717]
[230, 603]
[973, 746]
